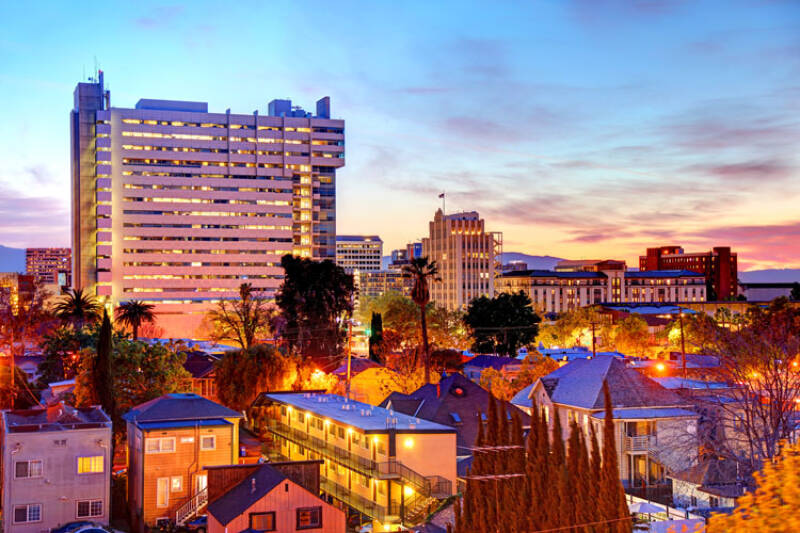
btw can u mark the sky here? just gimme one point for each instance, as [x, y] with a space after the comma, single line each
[578, 128]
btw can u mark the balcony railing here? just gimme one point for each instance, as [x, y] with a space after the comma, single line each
[359, 503]
[640, 443]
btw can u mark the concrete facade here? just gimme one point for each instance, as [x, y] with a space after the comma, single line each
[177, 206]
[467, 255]
[49, 266]
[56, 467]
[359, 253]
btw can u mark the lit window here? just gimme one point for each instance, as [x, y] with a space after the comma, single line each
[262, 521]
[177, 483]
[90, 465]
[89, 508]
[208, 442]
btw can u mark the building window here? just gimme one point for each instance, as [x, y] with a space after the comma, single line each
[90, 465]
[25, 469]
[341, 433]
[262, 521]
[309, 517]
[177, 484]
[162, 445]
[208, 442]
[89, 508]
[31, 512]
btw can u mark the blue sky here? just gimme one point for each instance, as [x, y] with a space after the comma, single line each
[585, 128]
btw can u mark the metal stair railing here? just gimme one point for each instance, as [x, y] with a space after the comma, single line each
[191, 507]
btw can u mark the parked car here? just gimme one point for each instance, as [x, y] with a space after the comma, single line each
[198, 525]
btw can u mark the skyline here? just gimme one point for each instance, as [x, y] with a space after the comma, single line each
[553, 122]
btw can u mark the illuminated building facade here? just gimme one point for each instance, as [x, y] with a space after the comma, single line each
[178, 206]
[467, 255]
[361, 253]
[49, 266]
[387, 465]
[719, 266]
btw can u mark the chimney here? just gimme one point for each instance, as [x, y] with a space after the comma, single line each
[253, 486]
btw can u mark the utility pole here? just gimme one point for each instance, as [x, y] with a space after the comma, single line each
[349, 354]
[594, 349]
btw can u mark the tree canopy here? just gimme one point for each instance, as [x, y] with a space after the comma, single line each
[242, 321]
[242, 375]
[502, 324]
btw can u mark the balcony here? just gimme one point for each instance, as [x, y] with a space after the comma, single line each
[640, 443]
[359, 503]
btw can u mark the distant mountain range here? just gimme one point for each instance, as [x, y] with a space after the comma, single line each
[535, 262]
[12, 259]
[771, 275]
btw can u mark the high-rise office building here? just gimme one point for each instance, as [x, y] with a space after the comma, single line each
[362, 253]
[49, 266]
[467, 255]
[178, 206]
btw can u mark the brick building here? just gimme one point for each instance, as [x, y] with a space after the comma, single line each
[719, 266]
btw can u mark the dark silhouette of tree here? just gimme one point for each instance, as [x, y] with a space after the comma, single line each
[134, 313]
[502, 324]
[103, 375]
[241, 321]
[795, 294]
[315, 301]
[242, 375]
[376, 338]
[422, 271]
[77, 308]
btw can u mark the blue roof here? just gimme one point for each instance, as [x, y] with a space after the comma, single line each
[640, 414]
[681, 383]
[663, 274]
[364, 416]
[178, 406]
[552, 274]
[522, 398]
[184, 423]
[491, 361]
[651, 309]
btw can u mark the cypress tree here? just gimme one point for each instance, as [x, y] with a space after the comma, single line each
[533, 472]
[614, 495]
[574, 475]
[596, 485]
[103, 378]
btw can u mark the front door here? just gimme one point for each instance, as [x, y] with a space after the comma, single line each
[162, 492]
[201, 482]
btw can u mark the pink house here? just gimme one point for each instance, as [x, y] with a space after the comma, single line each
[270, 497]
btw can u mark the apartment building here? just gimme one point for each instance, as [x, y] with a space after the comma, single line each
[719, 266]
[359, 253]
[49, 266]
[467, 255]
[171, 439]
[655, 429]
[177, 206]
[389, 466]
[56, 467]
[578, 284]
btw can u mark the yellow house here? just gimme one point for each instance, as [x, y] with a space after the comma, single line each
[171, 440]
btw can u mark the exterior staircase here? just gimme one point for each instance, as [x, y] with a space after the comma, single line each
[191, 507]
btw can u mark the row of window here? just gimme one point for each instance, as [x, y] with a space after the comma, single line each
[35, 468]
[32, 512]
[305, 518]
[179, 123]
[167, 444]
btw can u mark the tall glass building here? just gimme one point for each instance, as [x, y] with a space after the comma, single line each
[177, 206]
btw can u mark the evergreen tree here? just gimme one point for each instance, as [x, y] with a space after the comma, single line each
[104, 380]
[376, 338]
[613, 494]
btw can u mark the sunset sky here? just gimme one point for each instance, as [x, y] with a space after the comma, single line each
[581, 129]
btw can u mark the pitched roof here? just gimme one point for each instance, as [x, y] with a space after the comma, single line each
[714, 476]
[179, 406]
[199, 364]
[357, 365]
[580, 384]
[243, 495]
[491, 361]
[456, 401]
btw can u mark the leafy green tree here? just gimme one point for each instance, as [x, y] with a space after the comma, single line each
[423, 272]
[77, 308]
[631, 336]
[134, 313]
[315, 301]
[242, 375]
[502, 324]
[446, 328]
[242, 321]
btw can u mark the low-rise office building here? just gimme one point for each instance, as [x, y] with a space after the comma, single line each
[359, 253]
[387, 465]
[56, 467]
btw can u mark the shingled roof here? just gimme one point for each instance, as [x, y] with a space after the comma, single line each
[456, 401]
[242, 496]
[580, 384]
[179, 406]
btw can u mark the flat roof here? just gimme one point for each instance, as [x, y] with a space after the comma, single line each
[366, 417]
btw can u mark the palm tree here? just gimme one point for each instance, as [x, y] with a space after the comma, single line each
[78, 308]
[422, 271]
[133, 313]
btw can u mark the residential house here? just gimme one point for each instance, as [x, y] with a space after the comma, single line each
[655, 429]
[56, 467]
[202, 368]
[390, 466]
[713, 483]
[369, 382]
[508, 366]
[279, 497]
[454, 401]
[171, 439]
